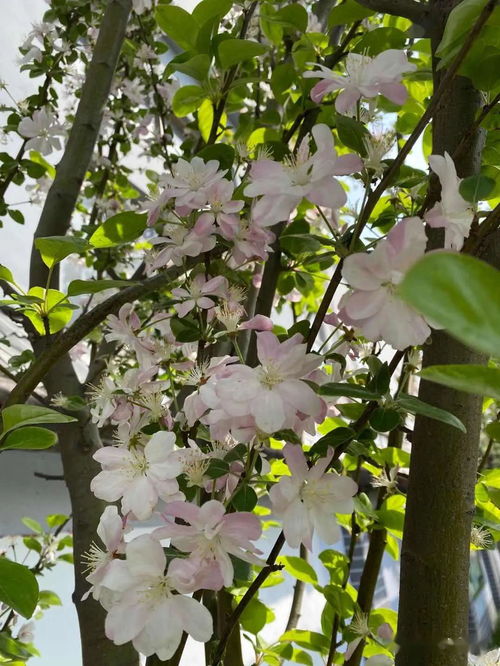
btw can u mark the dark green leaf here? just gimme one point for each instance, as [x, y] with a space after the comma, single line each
[384, 419]
[18, 587]
[348, 391]
[208, 9]
[221, 152]
[185, 329]
[334, 438]
[119, 229]
[217, 468]
[476, 188]
[351, 133]
[415, 406]
[245, 499]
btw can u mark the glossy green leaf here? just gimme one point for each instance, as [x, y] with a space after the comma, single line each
[31, 437]
[23, 415]
[119, 229]
[13, 650]
[299, 568]
[384, 419]
[234, 51]
[187, 99]
[460, 293]
[54, 249]
[245, 499]
[208, 9]
[255, 616]
[78, 287]
[348, 390]
[469, 378]
[18, 587]
[351, 133]
[47, 598]
[6, 274]
[415, 406]
[293, 16]
[311, 640]
[221, 152]
[458, 25]
[178, 24]
[196, 67]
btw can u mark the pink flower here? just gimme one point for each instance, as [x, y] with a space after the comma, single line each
[365, 77]
[179, 242]
[125, 329]
[110, 531]
[190, 181]
[196, 293]
[222, 207]
[283, 186]
[140, 476]
[307, 500]
[211, 534]
[373, 305]
[452, 212]
[148, 612]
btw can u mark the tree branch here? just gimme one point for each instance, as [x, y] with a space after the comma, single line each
[59, 205]
[66, 340]
[418, 12]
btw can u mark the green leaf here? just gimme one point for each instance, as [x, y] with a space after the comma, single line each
[54, 249]
[348, 391]
[299, 568]
[197, 67]
[233, 51]
[208, 9]
[255, 616]
[351, 133]
[415, 406]
[185, 329]
[460, 20]
[334, 438]
[245, 499]
[5, 274]
[22, 415]
[348, 12]
[381, 39]
[31, 437]
[221, 152]
[460, 293]
[340, 599]
[33, 525]
[119, 229]
[493, 431]
[217, 468]
[468, 378]
[178, 24]
[383, 419]
[293, 16]
[187, 99]
[18, 587]
[56, 519]
[47, 598]
[78, 287]
[476, 188]
[13, 649]
[311, 640]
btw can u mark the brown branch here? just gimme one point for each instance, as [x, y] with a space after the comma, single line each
[298, 595]
[66, 340]
[61, 199]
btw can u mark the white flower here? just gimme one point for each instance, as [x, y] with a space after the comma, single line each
[452, 212]
[307, 500]
[110, 530]
[148, 612]
[490, 659]
[42, 130]
[140, 476]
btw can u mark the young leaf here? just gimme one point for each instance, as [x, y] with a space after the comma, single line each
[6, 274]
[476, 188]
[18, 587]
[299, 568]
[31, 437]
[460, 293]
[469, 378]
[415, 406]
[187, 99]
[119, 229]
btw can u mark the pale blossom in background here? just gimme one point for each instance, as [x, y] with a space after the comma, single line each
[43, 132]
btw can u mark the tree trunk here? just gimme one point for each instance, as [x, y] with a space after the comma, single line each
[78, 441]
[434, 585]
